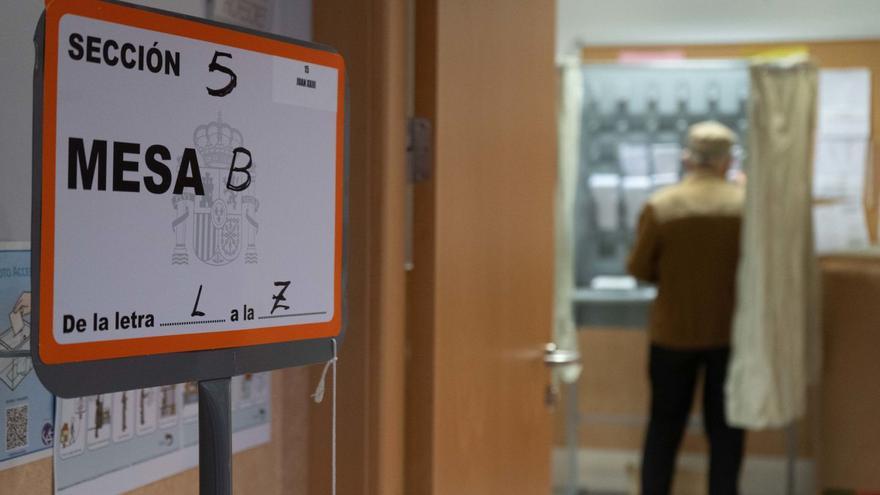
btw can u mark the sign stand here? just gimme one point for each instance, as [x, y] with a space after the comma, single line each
[215, 131]
[215, 437]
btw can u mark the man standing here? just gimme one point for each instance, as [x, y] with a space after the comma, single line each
[688, 245]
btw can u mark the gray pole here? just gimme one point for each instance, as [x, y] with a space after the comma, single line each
[215, 437]
[791, 450]
[572, 439]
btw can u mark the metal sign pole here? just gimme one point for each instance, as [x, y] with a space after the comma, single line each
[215, 437]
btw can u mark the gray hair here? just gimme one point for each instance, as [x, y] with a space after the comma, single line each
[709, 142]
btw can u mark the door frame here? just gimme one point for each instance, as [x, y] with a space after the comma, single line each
[463, 52]
[370, 34]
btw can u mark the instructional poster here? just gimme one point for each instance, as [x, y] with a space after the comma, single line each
[112, 443]
[26, 407]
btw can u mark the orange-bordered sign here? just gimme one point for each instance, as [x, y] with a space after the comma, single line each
[189, 190]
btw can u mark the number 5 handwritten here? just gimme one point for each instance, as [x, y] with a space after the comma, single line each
[233, 79]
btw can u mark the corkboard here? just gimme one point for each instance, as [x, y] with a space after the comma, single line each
[274, 468]
[827, 54]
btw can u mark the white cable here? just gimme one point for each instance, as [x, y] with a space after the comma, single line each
[333, 431]
[318, 396]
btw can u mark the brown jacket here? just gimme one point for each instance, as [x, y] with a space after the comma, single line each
[688, 245]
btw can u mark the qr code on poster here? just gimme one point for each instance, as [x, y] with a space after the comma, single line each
[16, 427]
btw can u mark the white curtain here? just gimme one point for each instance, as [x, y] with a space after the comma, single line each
[569, 124]
[775, 330]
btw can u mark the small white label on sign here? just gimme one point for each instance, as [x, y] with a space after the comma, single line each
[303, 84]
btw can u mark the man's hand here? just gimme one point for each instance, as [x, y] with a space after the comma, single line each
[23, 306]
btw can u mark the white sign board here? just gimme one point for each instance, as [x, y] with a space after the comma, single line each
[191, 187]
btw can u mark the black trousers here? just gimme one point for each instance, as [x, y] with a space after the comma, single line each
[673, 376]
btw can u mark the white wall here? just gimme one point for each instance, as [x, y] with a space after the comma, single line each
[293, 18]
[604, 22]
[16, 79]
[17, 23]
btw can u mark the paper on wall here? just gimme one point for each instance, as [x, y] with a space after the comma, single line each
[636, 191]
[839, 227]
[841, 158]
[839, 168]
[633, 158]
[666, 158]
[845, 102]
[255, 14]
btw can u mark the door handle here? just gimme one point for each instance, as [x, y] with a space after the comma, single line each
[554, 356]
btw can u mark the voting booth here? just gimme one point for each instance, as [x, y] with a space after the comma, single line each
[635, 118]
[625, 126]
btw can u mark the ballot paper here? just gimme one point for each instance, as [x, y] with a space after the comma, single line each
[662, 180]
[735, 172]
[739, 155]
[844, 102]
[12, 339]
[839, 227]
[606, 193]
[666, 158]
[636, 191]
[633, 158]
[17, 321]
[614, 282]
[839, 168]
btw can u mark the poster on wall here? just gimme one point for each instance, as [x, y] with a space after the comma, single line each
[840, 159]
[26, 407]
[112, 443]
[254, 14]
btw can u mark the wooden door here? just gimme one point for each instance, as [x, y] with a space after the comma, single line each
[480, 295]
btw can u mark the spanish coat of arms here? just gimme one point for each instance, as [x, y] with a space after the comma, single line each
[213, 227]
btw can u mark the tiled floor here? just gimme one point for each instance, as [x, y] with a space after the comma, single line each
[610, 472]
[559, 491]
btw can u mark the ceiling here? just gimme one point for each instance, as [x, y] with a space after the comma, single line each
[652, 22]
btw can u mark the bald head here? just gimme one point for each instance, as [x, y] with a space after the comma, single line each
[709, 146]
